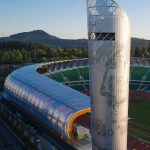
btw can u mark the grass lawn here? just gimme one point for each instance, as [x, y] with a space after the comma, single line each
[140, 112]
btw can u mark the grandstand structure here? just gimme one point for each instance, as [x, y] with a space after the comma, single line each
[140, 76]
[75, 74]
[56, 94]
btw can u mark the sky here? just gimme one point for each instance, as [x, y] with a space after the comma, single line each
[66, 19]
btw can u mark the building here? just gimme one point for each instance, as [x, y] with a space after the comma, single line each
[56, 106]
[109, 61]
[30, 90]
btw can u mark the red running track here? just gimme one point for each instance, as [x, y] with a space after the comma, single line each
[137, 144]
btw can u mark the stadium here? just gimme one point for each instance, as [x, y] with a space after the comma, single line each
[81, 103]
[56, 94]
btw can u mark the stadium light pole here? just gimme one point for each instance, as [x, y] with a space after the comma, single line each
[109, 63]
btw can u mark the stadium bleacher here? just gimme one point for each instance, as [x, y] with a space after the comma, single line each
[134, 87]
[78, 87]
[81, 74]
[56, 76]
[71, 75]
[140, 73]
[148, 76]
[85, 73]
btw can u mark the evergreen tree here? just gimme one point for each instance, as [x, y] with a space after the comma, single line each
[138, 52]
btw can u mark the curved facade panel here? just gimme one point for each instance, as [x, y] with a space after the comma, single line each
[109, 61]
[51, 102]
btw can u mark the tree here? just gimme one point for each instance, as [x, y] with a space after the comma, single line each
[138, 52]
[148, 49]
[143, 52]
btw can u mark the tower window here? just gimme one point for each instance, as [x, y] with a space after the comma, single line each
[102, 36]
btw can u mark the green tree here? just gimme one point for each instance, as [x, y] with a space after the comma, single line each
[138, 52]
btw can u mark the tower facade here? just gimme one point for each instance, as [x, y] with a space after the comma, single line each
[109, 60]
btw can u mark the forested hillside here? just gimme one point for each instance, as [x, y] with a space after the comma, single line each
[17, 52]
[39, 46]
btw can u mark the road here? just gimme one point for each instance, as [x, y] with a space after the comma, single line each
[7, 140]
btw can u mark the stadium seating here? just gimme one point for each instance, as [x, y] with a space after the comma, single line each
[85, 73]
[57, 76]
[148, 76]
[139, 73]
[134, 87]
[71, 75]
[78, 87]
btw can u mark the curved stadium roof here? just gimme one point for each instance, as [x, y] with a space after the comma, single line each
[62, 103]
[53, 89]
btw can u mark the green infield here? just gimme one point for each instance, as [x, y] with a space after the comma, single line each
[139, 111]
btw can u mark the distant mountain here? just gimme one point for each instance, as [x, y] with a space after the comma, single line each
[42, 37]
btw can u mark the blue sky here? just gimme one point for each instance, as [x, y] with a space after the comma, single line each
[65, 18]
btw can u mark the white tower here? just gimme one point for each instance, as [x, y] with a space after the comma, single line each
[109, 60]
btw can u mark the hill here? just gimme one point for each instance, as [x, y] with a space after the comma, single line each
[42, 37]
